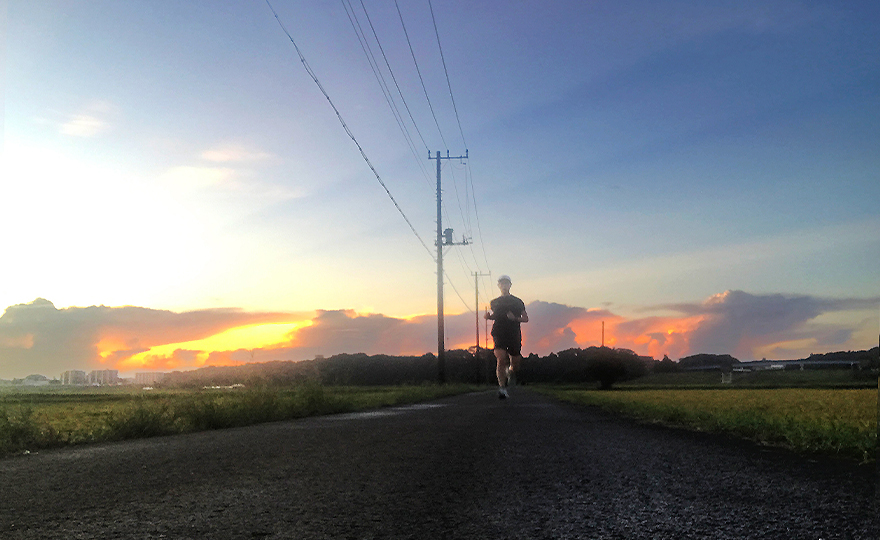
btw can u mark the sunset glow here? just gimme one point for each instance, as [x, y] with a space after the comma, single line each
[699, 177]
[261, 336]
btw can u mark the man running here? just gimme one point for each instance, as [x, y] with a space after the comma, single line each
[508, 312]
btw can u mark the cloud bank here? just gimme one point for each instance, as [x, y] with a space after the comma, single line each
[40, 338]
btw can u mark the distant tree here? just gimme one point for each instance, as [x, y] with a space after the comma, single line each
[605, 368]
[872, 360]
[865, 360]
[708, 361]
[667, 365]
[610, 366]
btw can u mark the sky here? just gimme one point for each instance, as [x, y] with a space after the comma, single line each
[179, 191]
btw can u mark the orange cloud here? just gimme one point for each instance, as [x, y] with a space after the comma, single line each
[216, 349]
[576, 327]
[39, 338]
[656, 336]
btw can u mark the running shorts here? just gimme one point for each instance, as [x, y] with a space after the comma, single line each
[509, 341]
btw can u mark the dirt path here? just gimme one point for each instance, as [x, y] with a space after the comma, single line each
[463, 467]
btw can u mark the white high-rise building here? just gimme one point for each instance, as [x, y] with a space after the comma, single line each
[103, 377]
[73, 377]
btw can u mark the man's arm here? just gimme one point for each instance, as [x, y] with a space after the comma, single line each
[524, 317]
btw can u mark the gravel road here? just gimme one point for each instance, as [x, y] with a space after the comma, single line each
[462, 467]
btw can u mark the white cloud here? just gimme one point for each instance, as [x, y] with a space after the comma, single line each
[240, 188]
[94, 120]
[78, 231]
[193, 178]
[84, 125]
[234, 152]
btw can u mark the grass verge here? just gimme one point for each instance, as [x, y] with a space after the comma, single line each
[30, 422]
[809, 378]
[840, 422]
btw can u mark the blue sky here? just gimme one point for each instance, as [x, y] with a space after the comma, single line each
[626, 158]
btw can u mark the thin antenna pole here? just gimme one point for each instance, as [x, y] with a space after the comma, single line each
[486, 332]
[477, 275]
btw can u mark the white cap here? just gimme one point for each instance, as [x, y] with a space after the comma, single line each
[504, 277]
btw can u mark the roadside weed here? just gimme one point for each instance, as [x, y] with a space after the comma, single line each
[835, 421]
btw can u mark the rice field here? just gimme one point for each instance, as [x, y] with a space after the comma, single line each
[838, 421]
[828, 421]
[39, 420]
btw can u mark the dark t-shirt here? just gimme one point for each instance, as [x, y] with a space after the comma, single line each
[501, 306]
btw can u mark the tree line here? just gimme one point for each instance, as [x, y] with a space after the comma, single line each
[603, 366]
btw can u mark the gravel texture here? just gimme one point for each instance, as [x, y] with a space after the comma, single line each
[463, 467]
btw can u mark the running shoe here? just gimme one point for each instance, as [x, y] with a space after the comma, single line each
[502, 393]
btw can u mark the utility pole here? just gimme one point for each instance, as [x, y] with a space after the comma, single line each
[477, 305]
[486, 334]
[441, 340]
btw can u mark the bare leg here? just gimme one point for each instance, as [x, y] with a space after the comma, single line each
[515, 362]
[501, 369]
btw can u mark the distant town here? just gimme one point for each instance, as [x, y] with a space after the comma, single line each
[100, 377]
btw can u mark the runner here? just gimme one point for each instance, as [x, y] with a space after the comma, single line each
[508, 312]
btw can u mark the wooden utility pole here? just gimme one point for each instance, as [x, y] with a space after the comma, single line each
[477, 275]
[441, 341]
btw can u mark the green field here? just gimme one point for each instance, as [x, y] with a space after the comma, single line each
[809, 378]
[44, 418]
[834, 421]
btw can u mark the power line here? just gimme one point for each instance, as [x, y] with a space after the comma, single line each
[408, 42]
[345, 127]
[457, 196]
[462, 261]
[383, 84]
[454, 108]
[374, 64]
[468, 177]
[368, 52]
[461, 258]
[465, 215]
[477, 215]
[463, 301]
[393, 78]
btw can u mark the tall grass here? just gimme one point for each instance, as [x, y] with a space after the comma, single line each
[17, 431]
[808, 378]
[33, 422]
[831, 421]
